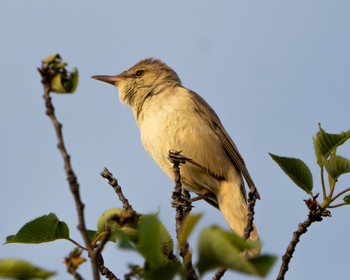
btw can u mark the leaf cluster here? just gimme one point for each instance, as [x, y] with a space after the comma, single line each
[325, 146]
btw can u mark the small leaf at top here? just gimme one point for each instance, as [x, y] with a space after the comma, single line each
[43, 229]
[325, 143]
[336, 166]
[60, 79]
[51, 58]
[65, 82]
[20, 269]
[296, 170]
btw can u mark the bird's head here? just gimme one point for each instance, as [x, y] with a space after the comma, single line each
[147, 77]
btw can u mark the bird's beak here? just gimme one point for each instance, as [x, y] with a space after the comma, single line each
[108, 79]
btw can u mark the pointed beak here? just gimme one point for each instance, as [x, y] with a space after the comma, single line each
[108, 79]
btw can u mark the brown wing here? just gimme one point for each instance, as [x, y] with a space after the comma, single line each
[211, 118]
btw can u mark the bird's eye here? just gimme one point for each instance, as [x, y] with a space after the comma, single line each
[139, 73]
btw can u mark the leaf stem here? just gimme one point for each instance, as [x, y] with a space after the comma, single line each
[338, 205]
[323, 185]
[340, 194]
[76, 244]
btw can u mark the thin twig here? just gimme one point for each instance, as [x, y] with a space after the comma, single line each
[316, 214]
[105, 173]
[132, 218]
[219, 273]
[71, 270]
[71, 177]
[181, 212]
[338, 205]
[104, 270]
[340, 194]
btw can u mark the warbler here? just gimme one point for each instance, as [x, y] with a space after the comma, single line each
[172, 117]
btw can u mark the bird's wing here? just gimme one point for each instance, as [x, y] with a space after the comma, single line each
[211, 118]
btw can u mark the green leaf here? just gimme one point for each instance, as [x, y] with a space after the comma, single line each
[153, 241]
[51, 58]
[43, 229]
[297, 170]
[187, 227]
[336, 166]
[347, 199]
[62, 81]
[128, 229]
[20, 269]
[150, 242]
[325, 143]
[218, 248]
[263, 263]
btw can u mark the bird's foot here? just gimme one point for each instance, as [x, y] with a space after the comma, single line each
[175, 156]
[180, 201]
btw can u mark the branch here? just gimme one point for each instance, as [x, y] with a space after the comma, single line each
[71, 270]
[104, 270]
[183, 207]
[252, 197]
[105, 173]
[219, 273]
[46, 74]
[316, 214]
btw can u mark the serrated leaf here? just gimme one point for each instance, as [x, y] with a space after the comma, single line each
[218, 248]
[296, 170]
[325, 143]
[187, 227]
[43, 229]
[20, 269]
[336, 166]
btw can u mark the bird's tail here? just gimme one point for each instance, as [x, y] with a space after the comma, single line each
[233, 206]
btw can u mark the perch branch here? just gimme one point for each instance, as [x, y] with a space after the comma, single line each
[182, 209]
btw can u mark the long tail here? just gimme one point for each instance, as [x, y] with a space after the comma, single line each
[233, 206]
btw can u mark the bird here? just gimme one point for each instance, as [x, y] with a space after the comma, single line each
[173, 117]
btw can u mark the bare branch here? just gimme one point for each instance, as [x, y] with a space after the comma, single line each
[251, 204]
[104, 270]
[105, 173]
[47, 74]
[183, 207]
[219, 273]
[316, 214]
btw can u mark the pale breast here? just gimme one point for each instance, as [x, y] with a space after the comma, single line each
[170, 121]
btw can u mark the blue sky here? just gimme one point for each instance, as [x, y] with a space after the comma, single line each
[272, 70]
